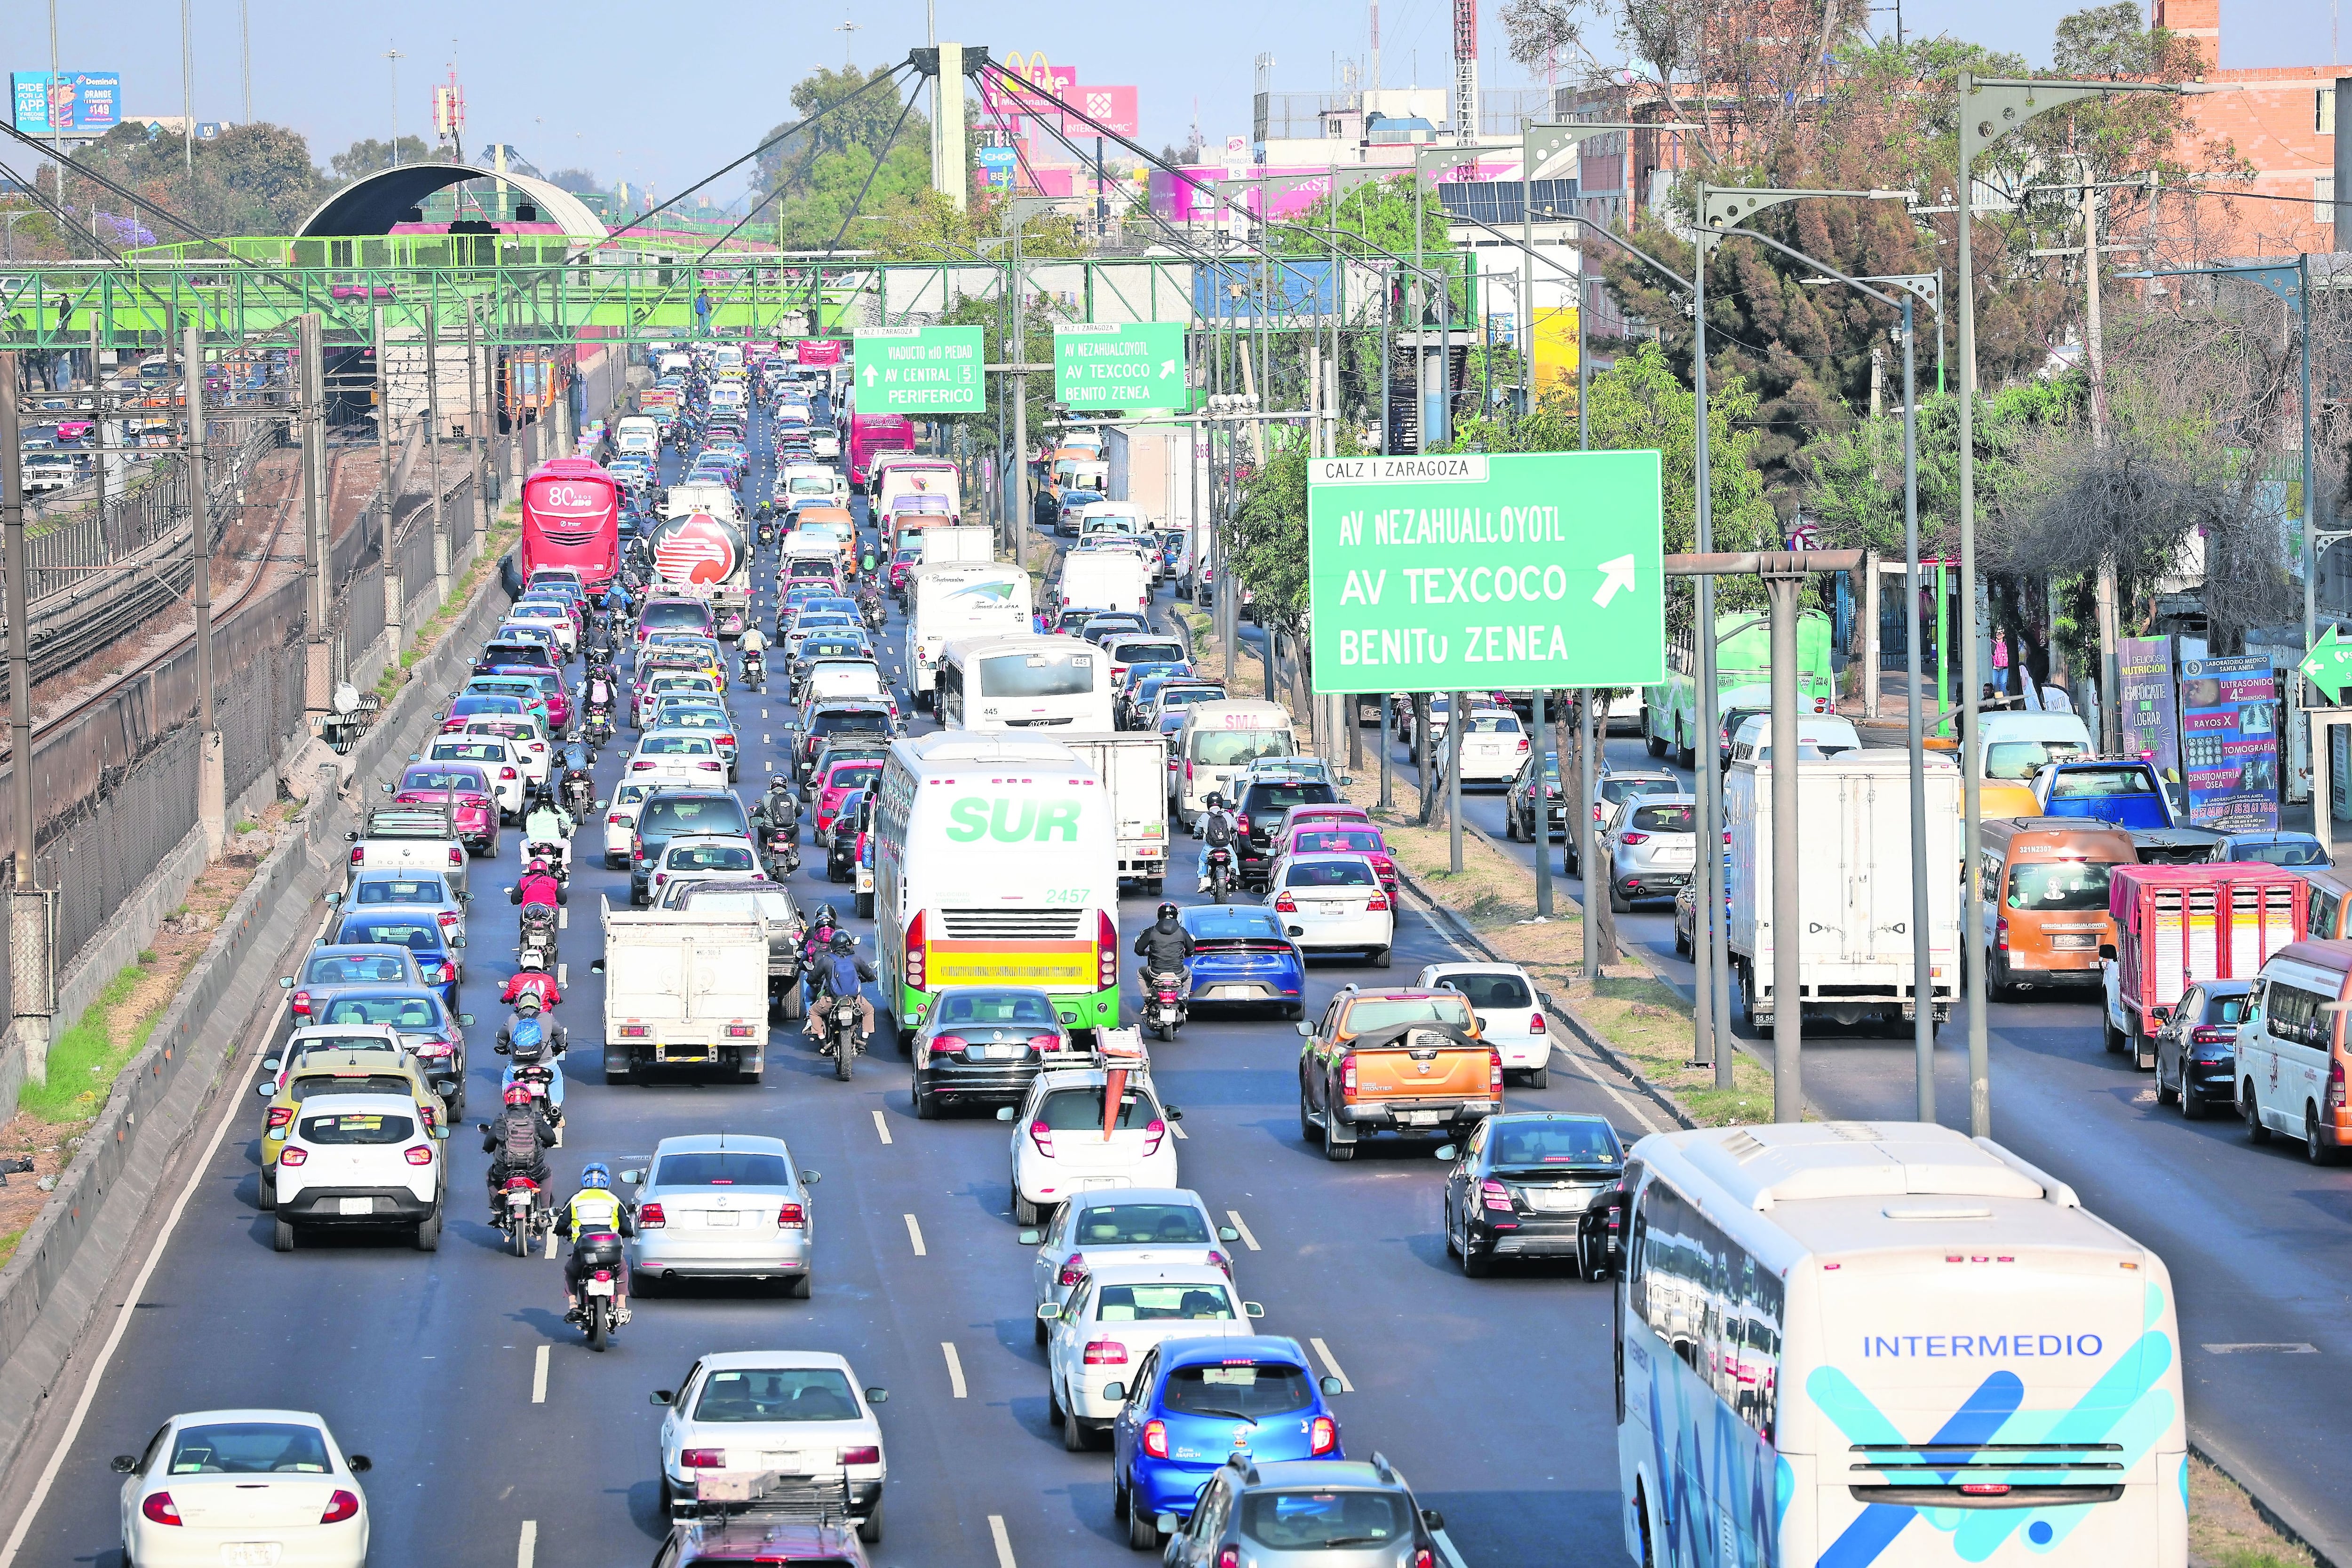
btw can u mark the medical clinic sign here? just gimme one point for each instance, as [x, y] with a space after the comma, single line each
[1481, 573]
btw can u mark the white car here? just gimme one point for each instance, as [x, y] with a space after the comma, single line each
[1100, 1335]
[706, 857]
[1333, 903]
[724, 1205]
[1494, 744]
[1509, 1017]
[365, 1160]
[527, 739]
[1059, 1148]
[621, 819]
[678, 756]
[796, 1413]
[217, 1486]
[48, 471]
[1118, 1227]
[555, 617]
[495, 755]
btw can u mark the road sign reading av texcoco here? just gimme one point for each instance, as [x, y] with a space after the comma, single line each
[920, 370]
[1487, 572]
[1139, 365]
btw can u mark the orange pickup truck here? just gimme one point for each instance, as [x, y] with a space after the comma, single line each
[1408, 1061]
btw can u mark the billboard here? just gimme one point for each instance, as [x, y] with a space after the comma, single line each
[2229, 742]
[998, 165]
[1111, 106]
[69, 103]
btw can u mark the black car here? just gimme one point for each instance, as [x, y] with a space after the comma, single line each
[842, 717]
[1519, 800]
[1521, 1187]
[669, 811]
[981, 1045]
[851, 820]
[2197, 1048]
[1259, 814]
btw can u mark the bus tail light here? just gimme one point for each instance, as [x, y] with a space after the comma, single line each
[914, 955]
[1106, 949]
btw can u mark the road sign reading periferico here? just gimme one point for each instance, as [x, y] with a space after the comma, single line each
[920, 370]
[1496, 573]
[1137, 365]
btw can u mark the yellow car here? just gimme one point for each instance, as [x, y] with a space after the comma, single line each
[682, 645]
[337, 1059]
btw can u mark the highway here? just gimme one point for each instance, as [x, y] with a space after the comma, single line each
[499, 1438]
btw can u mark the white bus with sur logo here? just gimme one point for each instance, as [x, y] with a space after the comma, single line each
[995, 864]
[1843, 1342]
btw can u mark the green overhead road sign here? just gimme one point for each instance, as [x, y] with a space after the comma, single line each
[1137, 365]
[920, 370]
[2329, 665]
[1476, 573]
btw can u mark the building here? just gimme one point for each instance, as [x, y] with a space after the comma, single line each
[2283, 121]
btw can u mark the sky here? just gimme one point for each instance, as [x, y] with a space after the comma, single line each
[587, 85]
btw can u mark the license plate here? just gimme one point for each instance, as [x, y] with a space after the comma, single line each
[600, 1287]
[1235, 993]
[353, 1205]
[1544, 1202]
[720, 1217]
[1420, 1118]
[248, 1554]
[2069, 942]
[1095, 1183]
[1006, 1053]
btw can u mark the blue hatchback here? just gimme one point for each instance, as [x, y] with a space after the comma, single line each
[419, 931]
[1196, 1402]
[1242, 955]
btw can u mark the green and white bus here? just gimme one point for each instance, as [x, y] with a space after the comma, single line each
[1743, 671]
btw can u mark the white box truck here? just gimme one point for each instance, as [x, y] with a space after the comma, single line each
[1147, 467]
[1133, 766]
[945, 546]
[1852, 826]
[1104, 580]
[684, 988]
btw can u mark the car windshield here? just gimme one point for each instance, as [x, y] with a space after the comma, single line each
[359, 1126]
[776, 1394]
[250, 1448]
[1246, 1389]
[455, 778]
[418, 935]
[347, 1083]
[1329, 874]
[1150, 652]
[1492, 724]
[710, 857]
[1661, 819]
[1140, 1225]
[833, 723]
[2280, 852]
[994, 1007]
[1236, 747]
[1488, 991]
[1534, 1145]
[2096, 783]
[692, 718]
[399, 1013]
[2019, 760]
[343, 971]
[1389, 1011]
[1076, 1110]
[852, 775]
[469, 751]
[720, 814]
[722, 1167]
[1338, 841]
[2059, 884]
[1615, 790]
[1162, 1303]
[673, 613]
[403, 890]
[1271, 799]
[1303, 1521]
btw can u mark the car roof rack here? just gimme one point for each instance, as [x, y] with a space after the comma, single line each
[750, 1501]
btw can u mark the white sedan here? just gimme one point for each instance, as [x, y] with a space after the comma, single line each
[797, 1412]
[1493, 745]
[528, 741]
[1059, 1147]
[1118, 1227]
[678, 756]
[220, 1487]
[1098, 1337]
[621, 819]
[494, 754]
[1509, 1019]
[1333, 902]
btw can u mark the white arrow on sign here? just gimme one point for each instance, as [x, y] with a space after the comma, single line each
[872, 375]
[1167, 369]
[1615, 575]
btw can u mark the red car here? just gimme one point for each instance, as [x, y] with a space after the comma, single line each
[465, 789]
[841, 780]
[1344, 838]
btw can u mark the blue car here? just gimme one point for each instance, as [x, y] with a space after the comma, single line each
[1196, 1402]
[1242, 955]
[417, 929]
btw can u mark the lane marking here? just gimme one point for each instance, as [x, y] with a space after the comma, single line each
[1631, 1107]
[1445, 1546]
[955, 1368]
[881, 1127]
[1003, 1541]
[563, 975]
[563, 919]
[551, 1244]
[538, 1377]
[1332, 1366]
[1247, 1240]
[527, 1548]
[915, 1235]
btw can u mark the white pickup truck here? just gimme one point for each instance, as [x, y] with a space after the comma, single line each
[410, 838]
[684, 988]
[1133, 766]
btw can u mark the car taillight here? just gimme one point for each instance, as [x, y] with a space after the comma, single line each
[791, 1216]
[1105, 1352]
[301, 1003]
[1106, 949]
[506, 773]
[1222, 1261]
[293, 1157]
[2208, 1035]
[1633, 838]
[340, 1506]
[1347, 1074]
[2000, 934]
[1155, 1439]
[702, 1460]
[1073, 1269]
[1241, 823]
[1154, 1131]
[457, 855]
[948, 1044]
[1495, 1072]
[866, 1455]
[1378, 902]
[419, 1153]
[1423, 1558]
[616, 820]
[1231, 1557]
[159, 1508]
[358, 855]
[448, 918]
[279, 1115]
[650, 1217]
[1325, 1435]
[1284, 904]
[1046, 1042]
[1043, 1136]
[914, 955]
[1494, 1195]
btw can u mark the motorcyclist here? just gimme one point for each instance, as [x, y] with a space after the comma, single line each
[779, 810]
[538, 885]
[1165, 946]
[597, 692]
[532, 1042]
[838, 972]
[815, 940]
[1218, 829]
[531, 1007]
[532, 980]
[753, 644]
[596, 1220]
[549, 823]
[517, 1140]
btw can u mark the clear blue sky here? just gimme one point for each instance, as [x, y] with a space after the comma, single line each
[582, 84]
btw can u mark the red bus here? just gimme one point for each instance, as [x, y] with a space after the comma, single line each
[572, 517]
[870, 433]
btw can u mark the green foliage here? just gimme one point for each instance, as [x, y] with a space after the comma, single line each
[369, 156]
[85, 1061]
[253, 179]
[578, 181]
[814, 174]
[1373, 216]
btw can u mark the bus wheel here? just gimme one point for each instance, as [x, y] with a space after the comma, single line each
[2249, 1108]
[1650, 738]
[1649, 1557]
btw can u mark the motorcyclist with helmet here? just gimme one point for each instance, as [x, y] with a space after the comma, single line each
[517, 1140]
[778, 811]
[1165, 946]
[534, 979]
[538, 885]
[838, 972]
[549, 823]
[1218, 830]
[596, 1219]
[753, 645]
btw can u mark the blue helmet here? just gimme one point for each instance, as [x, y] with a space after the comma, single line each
[595, 1174]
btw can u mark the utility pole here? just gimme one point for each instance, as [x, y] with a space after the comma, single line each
[31, 999]
[394, 56]
[188, 86]
[433, 453]
[392, 606]
[2094, 359]
[318, 599]
[476, 443]
[212, 779]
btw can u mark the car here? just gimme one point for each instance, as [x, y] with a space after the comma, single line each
[846, 843]
[415, 927]
[424, 1025]
[1258, 813]
[1334, 902]
[655, 683]
[1611, 790]
[1111, 1318]
[670, 810]
[1177, 695]
[1117, 1226]
[1521, 1184]
[2195, 1047]
[678, 756]
[621, 819]
[212, 1481]
[359, 1161]
[703, 718]
[1503, 998]
[465, 789]
[869, 721]
[1291, 765]
[831, 786]
[706, 857]
[1519, 800]
[1059, 1146]
[556, 616]
[495, 755]
[369, 888]
[1193, 1402]
[1652, 846]
[723, 1206]
[984, 1045]
[527, 737]
[1243, 956]
[321, 1061]
[1494, 744]
[812, 623]
[2292, 850]
[1339, 836]
[799, 1413]
[329, 967]
[1310, 1513]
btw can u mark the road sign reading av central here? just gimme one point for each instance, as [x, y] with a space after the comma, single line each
[1486, 573]
[1136, 365]
[920, 370]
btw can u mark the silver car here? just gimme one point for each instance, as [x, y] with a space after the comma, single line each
[1104, 1227]
[1291, 1514]
[724, 1205]
[1611, 790]
[1651, 843]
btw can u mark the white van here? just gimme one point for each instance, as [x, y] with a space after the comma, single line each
[1215, 746]
[1112, 517]
[1104, 580]
[1025, 682]
[2291, 1049]
[843, 678]
[637, 433]
[1823, 737]
[726, 397]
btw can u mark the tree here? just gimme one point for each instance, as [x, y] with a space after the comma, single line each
[370, 156]
[253, 179]
[814, 174]
[578, 181]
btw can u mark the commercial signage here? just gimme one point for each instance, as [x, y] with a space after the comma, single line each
[1467, 572]
[818, 350]
[68, 103]
[998, 166]
[2229, 742]
[1139, 365]
[2148, 723]
[920, 370]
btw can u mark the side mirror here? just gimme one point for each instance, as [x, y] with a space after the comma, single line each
[124, 1464]
[599, 805]
[1306, 1029]
[457, 941]
[661, 1396]
[332, 899]
[1174, 1113]
[360, 1464]
[596, 965]
[877, 1396]
[1047, 1311]
[265, 1089]
[1167, 1523]
[1328, 1385]
[1005, 1112]
[630, 1178]
[465, 1019]
[481, 1126]
[500, 1048]
[1115, 1392]
[351, 837]
[270, 1063]
[1433, 1520]
[1227, 1233]
[285, 982]
[387, 785]
[1253, 1310]
[1445, 1152]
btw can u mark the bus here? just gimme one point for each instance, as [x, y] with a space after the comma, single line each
[960, 598]
[873, 433]
[1837, 1341]
[1743, 672]
[571, 517]
[995, 864]
[1023, 681]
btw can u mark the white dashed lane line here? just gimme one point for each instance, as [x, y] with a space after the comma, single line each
[1331, 1365]
[1248, 1240]
[955, 1368]
[881, 1127]
[915, 1235]
[527, 1548]
[538, 1377]
[1003, 1541]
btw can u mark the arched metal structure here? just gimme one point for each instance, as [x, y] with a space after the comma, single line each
[374, 204]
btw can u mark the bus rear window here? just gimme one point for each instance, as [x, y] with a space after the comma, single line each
[1037, 675]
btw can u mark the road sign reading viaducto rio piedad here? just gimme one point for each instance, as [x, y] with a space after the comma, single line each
[920, 370]
[1496, 572]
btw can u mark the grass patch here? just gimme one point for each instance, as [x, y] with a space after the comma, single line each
[9, 1245]
[2224, 1531]
[85, 1059]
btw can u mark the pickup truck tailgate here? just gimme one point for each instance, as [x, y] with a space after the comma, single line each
[1400, 1073]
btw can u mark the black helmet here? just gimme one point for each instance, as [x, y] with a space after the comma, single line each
[842, 942]
[1216, 802]
[826, 916]
[777, 784]
[1167, 912]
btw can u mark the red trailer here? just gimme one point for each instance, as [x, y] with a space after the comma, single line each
[2179, 925]
[572, 517]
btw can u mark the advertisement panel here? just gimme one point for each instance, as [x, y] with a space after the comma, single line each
[997, 168]
[819, 350]
[1113, 106]
[2149, 719]
[70, 104]
[2229, 742]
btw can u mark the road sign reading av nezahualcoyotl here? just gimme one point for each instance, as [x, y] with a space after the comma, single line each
[920, 370]
[1465, 573]
[1139, 365]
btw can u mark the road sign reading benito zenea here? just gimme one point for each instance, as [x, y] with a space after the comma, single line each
[1473, 572]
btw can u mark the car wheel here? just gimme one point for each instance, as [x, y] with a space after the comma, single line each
[1618, 903]
[1475, 1265]
[2314, 1149]
[281, 1239]
[1306, 1127]
[1539, 1077]
[869, 1528]
[1569, 864]
[1650, 742]
[2165, 1093]
[926, 1108]
[1053, 1404]
[2247, 1107]
[1682, 941]
[267, 1197]
[1142, 1534]
[2192, 1109]
[1333, 1149]
[1119, 1499]
[1379, 957]
[1073, 1432]
[1446, 1224]
[429, 1233]
[799, 1286]
[2115, 1037]
[1511, 826]
[1294, 1011]
[1024, 1213]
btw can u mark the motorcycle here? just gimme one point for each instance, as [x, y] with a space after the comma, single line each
[539, 1077]
[841, 1028]
[556, 853]
[579, 790]
[784, 854]
[755, 672]
[767, 534]
[597, 1294]
[521, 1215]
[599, 725]
[875, 613]
[1221, 874]
[1164, 1011]
[535, 947]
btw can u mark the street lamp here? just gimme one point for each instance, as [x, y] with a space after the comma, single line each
[1443, 157]
[395, 56]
